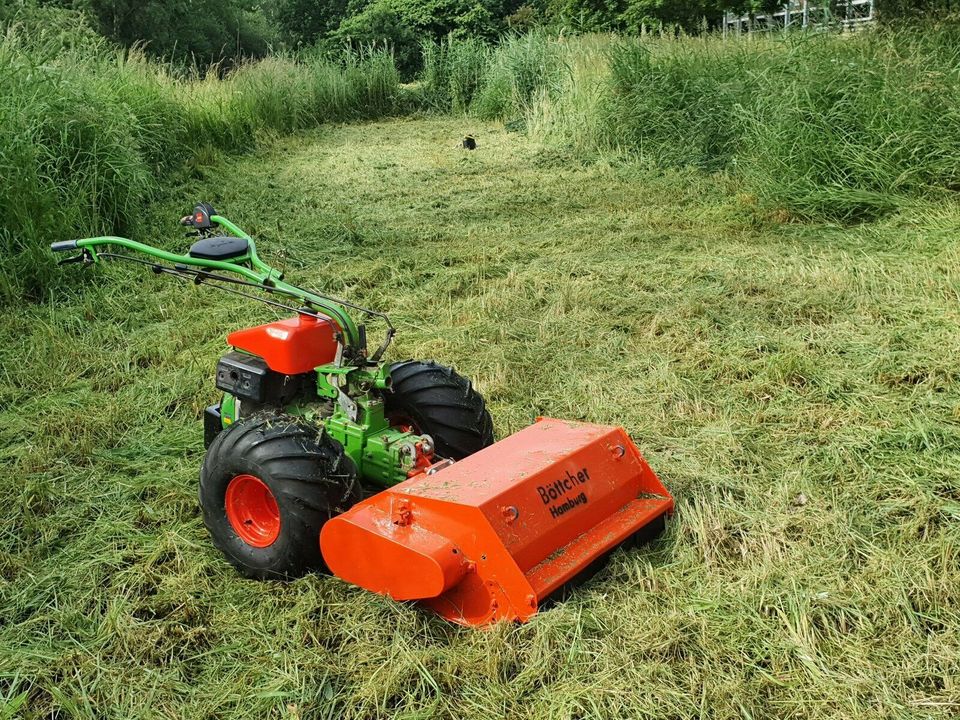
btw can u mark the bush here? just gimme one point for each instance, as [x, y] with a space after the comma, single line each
[404, 25]
[200, 31]
[380, 24]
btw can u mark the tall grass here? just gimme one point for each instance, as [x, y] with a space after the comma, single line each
[858, 125]
[468, 76]
[830, 126]
[90, 132]
[453, 71]
[286, 94]
[678, 102]
[820, 126]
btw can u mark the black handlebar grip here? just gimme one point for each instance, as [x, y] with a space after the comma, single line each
[63, 245]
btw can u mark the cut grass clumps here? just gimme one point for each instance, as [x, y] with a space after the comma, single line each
[91, 132]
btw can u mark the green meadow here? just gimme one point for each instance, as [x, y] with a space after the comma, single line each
[762, 287]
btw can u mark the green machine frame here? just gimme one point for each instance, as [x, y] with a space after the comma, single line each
[355, 383]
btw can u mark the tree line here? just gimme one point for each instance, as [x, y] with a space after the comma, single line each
[222, 31]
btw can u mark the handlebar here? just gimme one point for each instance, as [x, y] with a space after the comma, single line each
[248, 266]
[64, 245]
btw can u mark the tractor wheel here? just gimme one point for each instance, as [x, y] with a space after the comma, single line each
[267, 485]
[435, 400]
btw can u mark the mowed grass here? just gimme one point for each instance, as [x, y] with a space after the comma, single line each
[795, 385]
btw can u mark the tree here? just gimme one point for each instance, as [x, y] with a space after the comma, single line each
[405, 24]
[203, 30]
[304, 22]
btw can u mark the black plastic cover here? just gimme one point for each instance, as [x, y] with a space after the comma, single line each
[212, 424]
[221, 247]
[202, 214]
[248, 378]
[245, 376]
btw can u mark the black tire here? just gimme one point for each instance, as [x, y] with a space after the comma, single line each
[436, 400]
[309, 476]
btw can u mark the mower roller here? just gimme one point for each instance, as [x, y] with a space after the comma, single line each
[323, 456]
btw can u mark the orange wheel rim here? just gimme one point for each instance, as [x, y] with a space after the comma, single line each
[252, 511]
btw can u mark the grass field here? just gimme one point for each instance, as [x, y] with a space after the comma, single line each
[795, 385]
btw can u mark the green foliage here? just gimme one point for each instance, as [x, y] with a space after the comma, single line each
[857, 126]
[382, 24]
[305, 22]
[74, 152]
[453, 72]
[524, 67]
[679, 102]
[687, 14]
[525, 19]
[461, 75]
[405, 25]
[584, 15]
[824, 125]
[634, 15]
[283, 94]
[894, 10]
[90, 132]
[818, 125]
[200, 32]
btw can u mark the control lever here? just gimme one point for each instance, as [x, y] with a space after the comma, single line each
[84, 257]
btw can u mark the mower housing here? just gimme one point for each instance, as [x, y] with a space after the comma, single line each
[490, 537]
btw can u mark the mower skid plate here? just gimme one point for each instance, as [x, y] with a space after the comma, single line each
[491, 536]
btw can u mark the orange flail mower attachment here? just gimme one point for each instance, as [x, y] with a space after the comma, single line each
[491, 536]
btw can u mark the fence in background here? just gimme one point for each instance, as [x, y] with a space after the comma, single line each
[843, 15]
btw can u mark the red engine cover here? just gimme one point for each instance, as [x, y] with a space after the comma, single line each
[292, 346]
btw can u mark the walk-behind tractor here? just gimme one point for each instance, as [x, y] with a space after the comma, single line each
[311, 425]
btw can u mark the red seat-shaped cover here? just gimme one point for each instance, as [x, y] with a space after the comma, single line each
[292, 346]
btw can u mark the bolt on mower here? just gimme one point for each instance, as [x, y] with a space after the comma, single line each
[324, 456]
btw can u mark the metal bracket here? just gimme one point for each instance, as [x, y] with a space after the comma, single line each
[338, 380]
[348, 405]
[438, 466]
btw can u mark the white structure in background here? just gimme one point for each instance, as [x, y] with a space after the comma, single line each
[845, 14]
